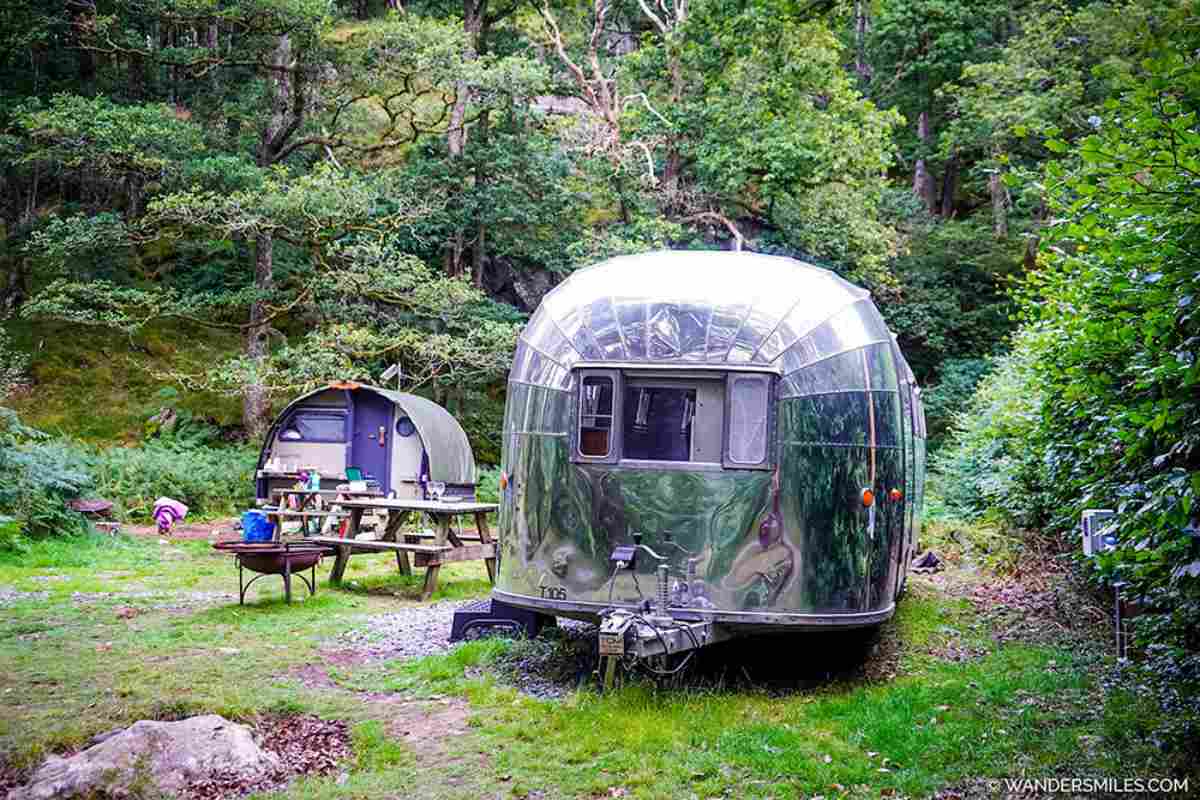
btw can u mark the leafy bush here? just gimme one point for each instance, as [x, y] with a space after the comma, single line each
[1099, 403]
[1117, 301]
[487, 489]
[990, 465]
[954, 389]
[482, 418]
[179, 425]
[210, 480]
[38, 477]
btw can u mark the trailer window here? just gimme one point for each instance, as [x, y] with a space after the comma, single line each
[748, 406]
[310, 426]
[596, 416]
[658, 423]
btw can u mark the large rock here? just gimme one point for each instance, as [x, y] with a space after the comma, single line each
[520, 287]
[155, 759]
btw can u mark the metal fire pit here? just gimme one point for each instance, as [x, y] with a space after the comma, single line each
[275, 558]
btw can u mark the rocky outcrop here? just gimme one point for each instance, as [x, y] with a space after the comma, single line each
[517, 286]
[155, 759]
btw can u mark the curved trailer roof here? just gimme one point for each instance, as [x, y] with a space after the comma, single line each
[450, 457]
[733, 310]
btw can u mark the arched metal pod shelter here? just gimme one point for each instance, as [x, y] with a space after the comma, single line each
[727, 412]
[400, 440]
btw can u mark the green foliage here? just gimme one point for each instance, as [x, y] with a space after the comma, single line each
[211, 481]
[481, 413]
[991, 465]
[755, 102]
[13, 364]
[1117, 303]
[487, 490]
[952, 300]
[38, 477]
[114, 142]
[950, 395]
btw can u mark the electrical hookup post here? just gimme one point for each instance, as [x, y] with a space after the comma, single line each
[651, 636]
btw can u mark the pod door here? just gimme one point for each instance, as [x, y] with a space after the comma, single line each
[369, 445]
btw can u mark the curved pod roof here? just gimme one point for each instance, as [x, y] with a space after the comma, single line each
[721, 309]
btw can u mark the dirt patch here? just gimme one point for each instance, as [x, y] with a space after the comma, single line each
[313, 676]
[191, 531]
[1037, 611]
[424, 725]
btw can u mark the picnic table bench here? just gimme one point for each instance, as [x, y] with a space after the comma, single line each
[447, 545]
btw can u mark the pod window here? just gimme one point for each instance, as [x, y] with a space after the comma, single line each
[315, 426]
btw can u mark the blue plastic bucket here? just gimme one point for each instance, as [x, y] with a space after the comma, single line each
[256, 527]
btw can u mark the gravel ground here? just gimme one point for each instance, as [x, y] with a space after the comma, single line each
[549, 666]
[167, 601]
[409, 632]
[10, 596]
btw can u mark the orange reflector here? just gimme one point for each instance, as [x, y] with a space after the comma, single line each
[896, 495]
[503, 480]
[868, 498]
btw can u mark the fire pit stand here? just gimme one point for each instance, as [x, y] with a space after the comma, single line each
[275, 558]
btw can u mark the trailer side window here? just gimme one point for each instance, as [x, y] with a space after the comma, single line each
[749, 397]
[596, 416]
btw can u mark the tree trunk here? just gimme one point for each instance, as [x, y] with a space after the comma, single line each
[478, 251]
[862, 23]
[85, 59]
[1034, 241]
[137, 77]
[456, 136]
[255, 401]
[280, 124]
[922, 180]
[999, 204]
[949, 186]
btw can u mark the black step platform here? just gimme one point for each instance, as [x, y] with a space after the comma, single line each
[486, 617]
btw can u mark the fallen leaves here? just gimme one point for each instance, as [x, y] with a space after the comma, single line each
[305, 744]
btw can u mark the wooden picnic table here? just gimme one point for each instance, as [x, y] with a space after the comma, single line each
[278, 515]
[446, 545]
[307, 498]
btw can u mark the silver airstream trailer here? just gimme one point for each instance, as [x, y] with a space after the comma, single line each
[705, 444]
[398, 440]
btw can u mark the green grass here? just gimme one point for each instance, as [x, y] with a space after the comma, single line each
[79, 371]
[76, 661]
